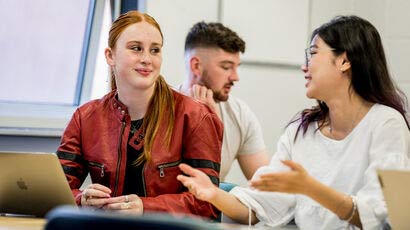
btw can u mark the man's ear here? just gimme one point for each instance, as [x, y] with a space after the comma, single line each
[345, 63]
[109, 56]
[195, 65]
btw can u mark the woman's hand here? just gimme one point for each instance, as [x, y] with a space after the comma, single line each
[95, 195]
[198, 183]
[294, 181]
[130, 204]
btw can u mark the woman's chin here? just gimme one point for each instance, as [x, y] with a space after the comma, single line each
[309, 94]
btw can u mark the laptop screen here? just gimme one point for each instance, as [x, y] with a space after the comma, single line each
[32, 183]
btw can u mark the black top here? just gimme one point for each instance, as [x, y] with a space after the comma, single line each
[133, 183]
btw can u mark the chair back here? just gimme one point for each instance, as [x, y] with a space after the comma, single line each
[65, 218]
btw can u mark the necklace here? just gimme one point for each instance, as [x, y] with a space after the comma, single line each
[353, 121]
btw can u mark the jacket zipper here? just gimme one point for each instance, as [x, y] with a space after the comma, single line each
[143, 181]
[167, 165]
[119, 158]
[101, 166]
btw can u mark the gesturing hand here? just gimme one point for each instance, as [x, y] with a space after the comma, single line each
[294, 181]
[198, 183]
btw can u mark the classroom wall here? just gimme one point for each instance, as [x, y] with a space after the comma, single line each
[276, 32]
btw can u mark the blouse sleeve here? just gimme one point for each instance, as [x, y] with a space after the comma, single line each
[389, 149]
[271, 208]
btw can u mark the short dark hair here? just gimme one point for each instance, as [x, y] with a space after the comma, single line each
[214, 35]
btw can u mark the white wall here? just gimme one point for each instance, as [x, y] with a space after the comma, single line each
[276, 32]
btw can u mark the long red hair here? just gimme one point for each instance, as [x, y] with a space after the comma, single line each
[162, 101]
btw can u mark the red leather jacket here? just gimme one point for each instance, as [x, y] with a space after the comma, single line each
[95, 142]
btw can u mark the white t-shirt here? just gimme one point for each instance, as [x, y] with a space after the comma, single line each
[381, 140]
[242, 132]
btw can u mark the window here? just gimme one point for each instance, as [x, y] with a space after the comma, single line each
[49, 50]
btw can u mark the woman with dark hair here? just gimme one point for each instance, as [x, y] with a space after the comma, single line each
[132, 140]
[323, 174]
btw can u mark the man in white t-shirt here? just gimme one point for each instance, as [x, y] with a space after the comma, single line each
[212, 57]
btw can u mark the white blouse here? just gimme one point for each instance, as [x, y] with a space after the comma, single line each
[380, 141]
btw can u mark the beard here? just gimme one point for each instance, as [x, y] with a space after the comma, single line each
[218, 95]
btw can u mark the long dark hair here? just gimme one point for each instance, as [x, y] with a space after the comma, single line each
[370, 76]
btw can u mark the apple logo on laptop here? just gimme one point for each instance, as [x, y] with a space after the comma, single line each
[22, 184]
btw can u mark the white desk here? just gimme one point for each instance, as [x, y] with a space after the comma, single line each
[227, 226]
[21, 223]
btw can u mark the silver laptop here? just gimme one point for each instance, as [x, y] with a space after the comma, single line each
[396, 189]
[32, 183]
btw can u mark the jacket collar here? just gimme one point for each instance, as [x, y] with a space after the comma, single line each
[119, 109]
